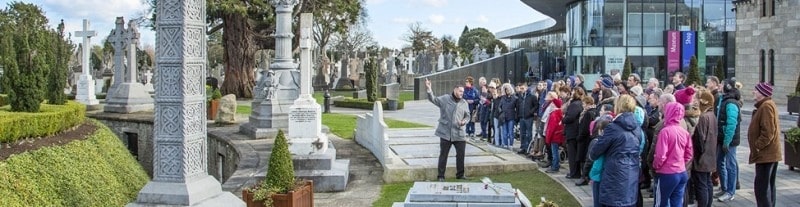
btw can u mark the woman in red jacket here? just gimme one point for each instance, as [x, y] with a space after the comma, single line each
[554, 136]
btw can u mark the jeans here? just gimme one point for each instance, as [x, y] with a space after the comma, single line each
[764, 184]
[484, 124]
[596, 193]
[508, 133]
[525, 129]
[471, 125]
[704, 190]
[444, 150]
[555, 164]
[497, 132]
[728, 169]
[670, 189]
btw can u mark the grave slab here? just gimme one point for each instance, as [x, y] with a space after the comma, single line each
[430, 150]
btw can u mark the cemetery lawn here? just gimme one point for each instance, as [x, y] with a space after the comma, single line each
[342, 125]
[534, 184]
[404, 95]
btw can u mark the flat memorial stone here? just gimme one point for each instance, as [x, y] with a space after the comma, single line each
[463, 193]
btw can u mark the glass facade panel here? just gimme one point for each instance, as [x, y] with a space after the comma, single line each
[600, 34]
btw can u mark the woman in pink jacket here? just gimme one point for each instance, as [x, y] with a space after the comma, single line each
[673, 151]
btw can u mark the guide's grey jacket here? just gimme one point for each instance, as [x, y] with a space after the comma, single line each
[451, 113]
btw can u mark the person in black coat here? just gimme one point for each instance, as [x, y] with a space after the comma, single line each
[570, 121]
[528, 105]
[584, 137]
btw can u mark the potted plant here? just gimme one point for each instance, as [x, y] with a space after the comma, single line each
[793, 100]
[791, 147]
[213, 103]
[280, 188]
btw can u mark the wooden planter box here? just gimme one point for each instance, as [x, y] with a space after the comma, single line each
[791, 155]
[793, 104]
[213, 106]
[302, 197]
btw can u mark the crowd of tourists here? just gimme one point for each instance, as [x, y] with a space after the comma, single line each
[626, 137]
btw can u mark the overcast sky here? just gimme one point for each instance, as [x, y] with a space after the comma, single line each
[388, 19]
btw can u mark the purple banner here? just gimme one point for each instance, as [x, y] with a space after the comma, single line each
[673, 52]
[689, 42]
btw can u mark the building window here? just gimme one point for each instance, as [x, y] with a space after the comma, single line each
[764, 8]
[771, 67]
[761, 67]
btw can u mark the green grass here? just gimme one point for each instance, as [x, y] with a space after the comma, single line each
[342, 125]
[533, 184]
[243, 109]
[404, 95]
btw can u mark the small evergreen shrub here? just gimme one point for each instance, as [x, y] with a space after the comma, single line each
[280, 173]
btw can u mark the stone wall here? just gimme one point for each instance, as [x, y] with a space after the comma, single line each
[779, 33]
[511, 66]
[128, 124]
[219, 151]
[371, 133]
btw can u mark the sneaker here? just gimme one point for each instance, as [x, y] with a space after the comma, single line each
[726, 197]
[719, 194]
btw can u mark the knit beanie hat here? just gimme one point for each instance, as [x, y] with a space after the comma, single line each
[764, 88]
[572, 81]
[684, 96]
[607, 82]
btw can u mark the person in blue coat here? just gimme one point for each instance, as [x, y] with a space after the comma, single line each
[620, 145]
[473, 97]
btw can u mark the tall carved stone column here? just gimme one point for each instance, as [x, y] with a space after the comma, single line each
[270, 109]
[180, 176]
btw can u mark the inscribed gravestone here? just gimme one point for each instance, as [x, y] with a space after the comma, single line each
[86, 86]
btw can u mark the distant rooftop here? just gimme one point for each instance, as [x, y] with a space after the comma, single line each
[556, 10]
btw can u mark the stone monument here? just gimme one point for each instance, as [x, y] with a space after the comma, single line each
[129, 96]
[476, 53]
[86, 85]
[148, 82]
[496, 51]
[458, 60]
[314, 158]
[448, 61]
[180, 176]
[410, 64]
[269, 115]
[440, 62]
[463, 194]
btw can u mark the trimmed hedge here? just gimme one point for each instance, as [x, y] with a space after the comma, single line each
[97, 171]
[364, 104]
[50, 120]
[3, 99]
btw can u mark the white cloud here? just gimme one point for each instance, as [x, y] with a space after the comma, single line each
[401, 20]
[482, 19]
[436, 18]
[433, 3]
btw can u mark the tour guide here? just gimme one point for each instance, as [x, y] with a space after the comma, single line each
[454, 114]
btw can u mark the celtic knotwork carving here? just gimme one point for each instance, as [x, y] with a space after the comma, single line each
[194, 117]
[168, 81]
[170, 10]
[170, 122]
[283, 3]
[168, 42]
[195, 156]
[194, 12]
[194, 42]
[169, 164]
[193, 80]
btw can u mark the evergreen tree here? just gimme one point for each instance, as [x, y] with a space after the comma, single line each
[694, 73]
[372, 80]
[57, 78]
[24, 49]
[280, 173]
[720, 70]
[626, 68]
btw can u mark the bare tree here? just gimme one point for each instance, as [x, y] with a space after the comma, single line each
[421, 38]
[356, 38]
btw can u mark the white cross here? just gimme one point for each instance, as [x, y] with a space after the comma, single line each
[87, 35]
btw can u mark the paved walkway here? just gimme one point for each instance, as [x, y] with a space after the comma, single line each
[365, 182]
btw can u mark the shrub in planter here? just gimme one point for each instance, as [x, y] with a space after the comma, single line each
[790, 151]
[280, 179]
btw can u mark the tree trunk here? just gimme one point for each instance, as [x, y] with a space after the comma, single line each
[240, 50]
